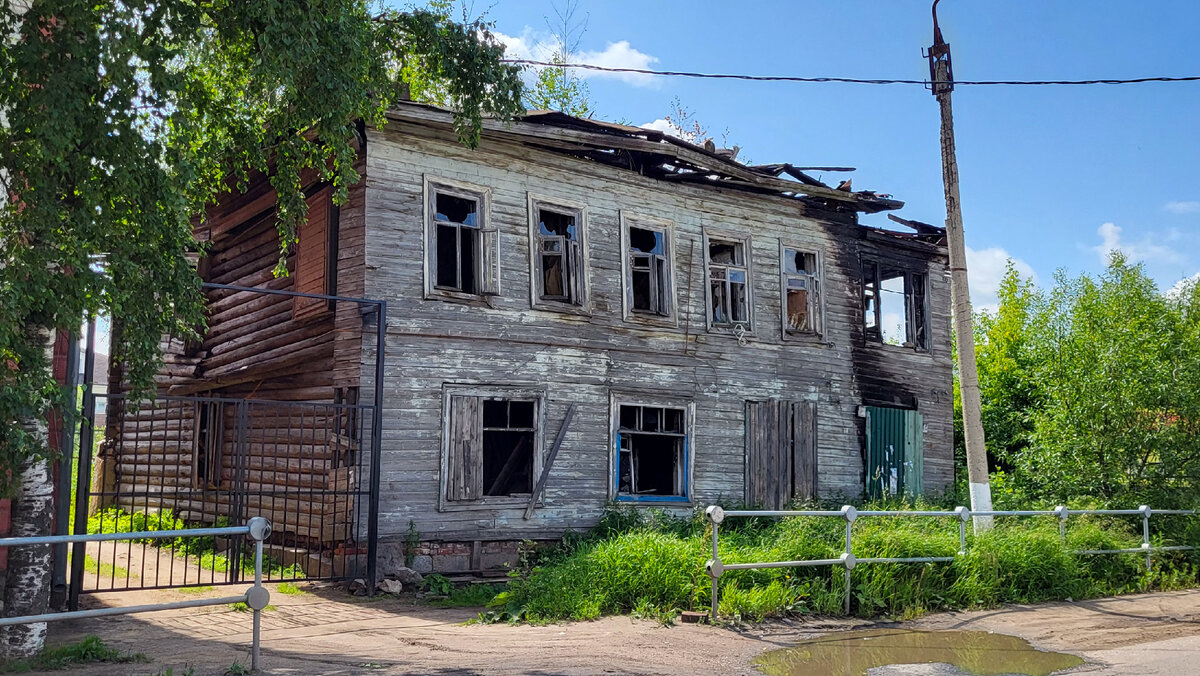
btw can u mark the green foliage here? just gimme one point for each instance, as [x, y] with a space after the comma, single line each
[652, 566]
[89, 650]
[436, 583]
[556, 88]
[289, 589]
[124, 120]
[468, 596]
[411, 540]
[1092, 389]
[237, 669]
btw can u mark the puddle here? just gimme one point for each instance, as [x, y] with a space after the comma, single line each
[852, 653]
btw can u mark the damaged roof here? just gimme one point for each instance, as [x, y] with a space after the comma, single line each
[669, 158]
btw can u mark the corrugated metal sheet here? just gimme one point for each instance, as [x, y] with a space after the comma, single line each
[895, 458]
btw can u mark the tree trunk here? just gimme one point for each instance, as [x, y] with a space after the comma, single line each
[27, 591]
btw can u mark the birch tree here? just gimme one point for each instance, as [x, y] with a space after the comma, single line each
[123, 120]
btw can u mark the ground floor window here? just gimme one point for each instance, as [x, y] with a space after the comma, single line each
[651, 450]
[492, 444]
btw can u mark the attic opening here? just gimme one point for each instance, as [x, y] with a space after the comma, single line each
[651, 459]
[508, 429]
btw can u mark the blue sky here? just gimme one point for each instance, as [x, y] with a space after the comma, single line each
[1054, 177]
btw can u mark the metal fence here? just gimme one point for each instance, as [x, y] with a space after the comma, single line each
[256, 597]
[214, 460]
[848, 561]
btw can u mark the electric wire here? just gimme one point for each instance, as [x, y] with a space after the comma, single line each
[846, 80]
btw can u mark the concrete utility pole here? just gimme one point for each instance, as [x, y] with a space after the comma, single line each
[960, 297]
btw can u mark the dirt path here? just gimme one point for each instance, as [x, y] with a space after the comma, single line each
[324, 633]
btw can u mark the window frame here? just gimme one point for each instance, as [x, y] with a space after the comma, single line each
[819, 254]
[488, 254]
[667, 227]
[521, 500]
[746, 242]
[909, 272]
[623, 398]
[583, 273]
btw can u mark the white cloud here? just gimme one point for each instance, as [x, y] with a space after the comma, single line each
[1144, 250]
[1185, 207]
[985, 271]
[541, 46]
[661, 124]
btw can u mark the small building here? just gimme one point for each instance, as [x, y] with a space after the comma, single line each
[715, 332]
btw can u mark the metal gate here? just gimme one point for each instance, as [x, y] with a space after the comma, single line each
[895, 452]
[310, 467]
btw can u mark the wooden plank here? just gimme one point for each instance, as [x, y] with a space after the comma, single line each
[541, 484]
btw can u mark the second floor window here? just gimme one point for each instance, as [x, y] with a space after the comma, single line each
[728, 284]
[894, 305]
[648, 284]
[558, 264]
[801, 291]
[462, 244]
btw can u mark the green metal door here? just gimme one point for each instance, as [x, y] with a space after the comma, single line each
[895, 457]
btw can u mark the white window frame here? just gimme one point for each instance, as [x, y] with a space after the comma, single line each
[626, 398]
[583, 273]
[538, 395]
[488, 256]
[819, 277]
[627, 221]
[748, 257]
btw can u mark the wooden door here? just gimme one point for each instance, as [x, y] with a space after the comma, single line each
[781, 452]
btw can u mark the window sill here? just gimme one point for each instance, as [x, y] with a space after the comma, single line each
[459, 297]
[562, 308]
[805, 337]
[648, 319]
[897, 348]
[494, 502]
[656, 499]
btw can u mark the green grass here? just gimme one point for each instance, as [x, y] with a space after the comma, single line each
[90, 650]
[469, 596]
[289, 589]
[195, 590]
[652, 565]
[241, 607]
[104, 570]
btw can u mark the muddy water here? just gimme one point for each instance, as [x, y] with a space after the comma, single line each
[972, 652]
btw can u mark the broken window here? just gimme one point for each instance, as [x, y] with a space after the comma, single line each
[648, 279]
[652, 449]
[558, 255]
[801, 292]
[894, 305]
[492, 448]
[462, 244]
[728, 284]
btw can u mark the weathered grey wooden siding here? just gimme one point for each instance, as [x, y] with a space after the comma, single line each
[580, 359]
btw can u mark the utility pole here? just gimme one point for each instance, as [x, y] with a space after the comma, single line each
[942, 83]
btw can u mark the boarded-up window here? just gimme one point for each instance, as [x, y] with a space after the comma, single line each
[801, 283]
[316, 264]
[728, 284]
[648, 282]
[492, 446]
[558, 255]
[781, 452]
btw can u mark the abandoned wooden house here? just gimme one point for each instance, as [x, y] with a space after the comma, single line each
[620, 314]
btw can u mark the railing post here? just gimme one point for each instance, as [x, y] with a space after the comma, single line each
[849, 513]
[964, 515]
[257, 597]
[1145, 509]
[1062, 513]
[715, 516]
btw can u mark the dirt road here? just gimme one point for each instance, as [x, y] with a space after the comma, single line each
[323, 633]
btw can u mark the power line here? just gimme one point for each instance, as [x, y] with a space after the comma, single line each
[849, 80]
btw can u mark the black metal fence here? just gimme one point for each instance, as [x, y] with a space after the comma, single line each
[310, 467]
[178, 461]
